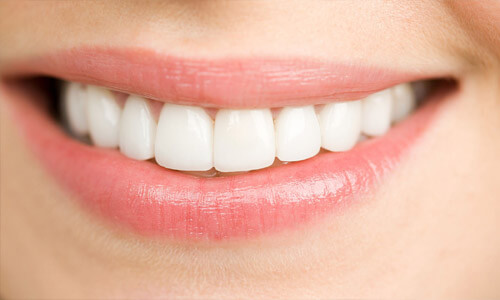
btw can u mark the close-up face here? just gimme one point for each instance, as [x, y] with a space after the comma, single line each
[249, 149]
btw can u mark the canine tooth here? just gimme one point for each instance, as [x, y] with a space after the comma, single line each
[74, 98]
[103, 115]
[137, 129]
[340, 125]
[243, 140]
[404, 101]
[376, 113]
[298, 136]
[184, 138]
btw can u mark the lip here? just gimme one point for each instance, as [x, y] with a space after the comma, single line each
[228, 82]
[154, 201]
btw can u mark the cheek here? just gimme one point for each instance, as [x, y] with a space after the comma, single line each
[482, 18]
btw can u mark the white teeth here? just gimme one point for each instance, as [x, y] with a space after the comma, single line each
[74, 99]
[187, 139]
[340, 125]
[137, 129]
[184, 139]
[243, 140]
[376, 109]
[404, 101]
[103, 115]
[298, 136]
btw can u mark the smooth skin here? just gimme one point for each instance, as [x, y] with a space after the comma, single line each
[430, 230]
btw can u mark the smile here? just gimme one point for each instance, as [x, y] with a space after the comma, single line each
[218, 149]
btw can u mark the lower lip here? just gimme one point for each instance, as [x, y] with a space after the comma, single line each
[154, 201]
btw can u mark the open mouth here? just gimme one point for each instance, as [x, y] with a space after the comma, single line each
[218, 142]
[217, 149]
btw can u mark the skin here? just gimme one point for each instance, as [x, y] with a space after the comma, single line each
[431, 229]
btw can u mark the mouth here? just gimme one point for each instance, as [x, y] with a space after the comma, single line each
[218, 149]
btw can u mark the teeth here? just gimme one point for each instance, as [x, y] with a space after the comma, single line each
[340, 125]
[137, 129]
[184, 139]
[376, 109]
[74, 99]
[103, 115]
[243, 140]
[187, 139]
[404, 101]
[298, 136]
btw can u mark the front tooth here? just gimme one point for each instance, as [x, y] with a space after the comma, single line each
[404, 101]
[297, 133]
[74, 98]
[103, 116]
[243, 140]
[184, 138]
[137, 129]
[376, 115]
[340, 125]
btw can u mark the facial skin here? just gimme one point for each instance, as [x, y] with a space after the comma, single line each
[430, 230]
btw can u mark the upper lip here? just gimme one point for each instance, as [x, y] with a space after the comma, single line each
[222, 83]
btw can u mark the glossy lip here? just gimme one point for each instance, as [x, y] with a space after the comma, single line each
[229, 82]
[155, 201]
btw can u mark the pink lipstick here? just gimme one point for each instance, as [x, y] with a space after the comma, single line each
[154, 201]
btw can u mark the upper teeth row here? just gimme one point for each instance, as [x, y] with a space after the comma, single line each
[186, 138]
